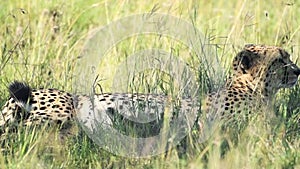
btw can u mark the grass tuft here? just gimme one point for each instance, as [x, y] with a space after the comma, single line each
[41, 43]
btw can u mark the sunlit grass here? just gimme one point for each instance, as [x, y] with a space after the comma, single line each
[41, 43]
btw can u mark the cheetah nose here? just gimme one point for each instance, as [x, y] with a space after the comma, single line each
[297, 71]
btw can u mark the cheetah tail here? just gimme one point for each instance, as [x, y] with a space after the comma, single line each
[20, 92]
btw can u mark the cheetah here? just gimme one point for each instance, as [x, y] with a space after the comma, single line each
[258, 72]
[38, 106]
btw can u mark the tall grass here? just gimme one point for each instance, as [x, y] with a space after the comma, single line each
[41, 43]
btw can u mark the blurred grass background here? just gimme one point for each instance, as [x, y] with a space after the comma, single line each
[41, 43]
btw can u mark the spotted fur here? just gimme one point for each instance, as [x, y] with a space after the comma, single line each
[258, 73]
[40, 106]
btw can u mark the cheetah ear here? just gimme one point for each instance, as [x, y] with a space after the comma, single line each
[245, 60]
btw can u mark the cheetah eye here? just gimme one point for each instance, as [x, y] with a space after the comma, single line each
[285, 64]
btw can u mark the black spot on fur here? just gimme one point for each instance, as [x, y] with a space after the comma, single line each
[102, 100]
[51, 100]
[43, 108]
[55, 106]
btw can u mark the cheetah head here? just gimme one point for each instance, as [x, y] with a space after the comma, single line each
[268, 67]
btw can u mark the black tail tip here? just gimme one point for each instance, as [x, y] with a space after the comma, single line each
[20, 91]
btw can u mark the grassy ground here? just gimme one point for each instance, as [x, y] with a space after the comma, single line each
[41, 43]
